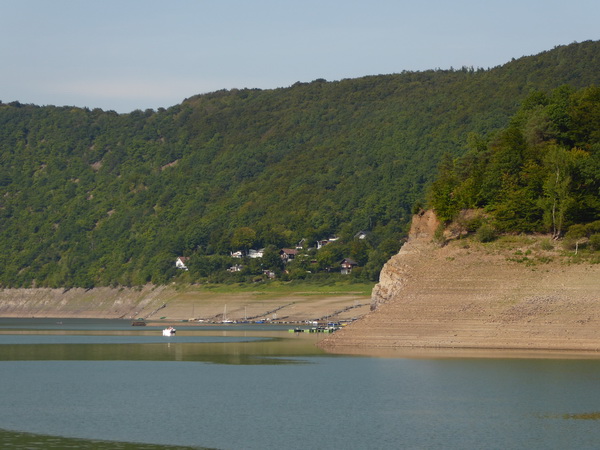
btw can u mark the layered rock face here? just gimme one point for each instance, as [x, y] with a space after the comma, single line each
[510, 294]
[400, 268]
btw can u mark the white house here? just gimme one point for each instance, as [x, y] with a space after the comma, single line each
[180, 262]
[326, 241]
[361, 235]
[256, 253]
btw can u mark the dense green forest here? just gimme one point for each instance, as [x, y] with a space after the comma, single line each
[539, 174]
[93, 198]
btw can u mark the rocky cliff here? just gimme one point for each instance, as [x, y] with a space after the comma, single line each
[514, 293]
[400, 269]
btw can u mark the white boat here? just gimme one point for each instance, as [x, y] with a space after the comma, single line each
[169, 331]
[225, 320]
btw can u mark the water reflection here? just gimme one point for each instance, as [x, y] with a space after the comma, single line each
[268, 388]
[33, 341]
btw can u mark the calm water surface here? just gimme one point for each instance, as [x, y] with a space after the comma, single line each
[105, 384]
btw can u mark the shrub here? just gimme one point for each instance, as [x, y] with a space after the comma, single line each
[438, 236]
[574, 241]
[547, 245]
[474, 224]
[595, 242]
[486, 233]
[417, 208]
[593, 227]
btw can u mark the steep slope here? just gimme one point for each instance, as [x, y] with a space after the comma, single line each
[478, 296]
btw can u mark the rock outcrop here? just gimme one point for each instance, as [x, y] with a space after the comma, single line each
[400, 268]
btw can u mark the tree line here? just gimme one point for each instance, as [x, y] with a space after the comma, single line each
[541, 173]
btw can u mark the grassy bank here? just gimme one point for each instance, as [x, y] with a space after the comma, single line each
[301, 287]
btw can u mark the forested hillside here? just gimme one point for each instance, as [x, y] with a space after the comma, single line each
[93, 198]
[539, 174]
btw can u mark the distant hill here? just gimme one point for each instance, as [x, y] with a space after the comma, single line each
[94, 198]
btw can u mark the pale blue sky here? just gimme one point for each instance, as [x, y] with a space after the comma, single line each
[130, 54]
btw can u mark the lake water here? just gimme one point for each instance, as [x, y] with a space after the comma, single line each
[107, 385]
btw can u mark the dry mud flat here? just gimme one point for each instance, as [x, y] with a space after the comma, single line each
[468, 295]
[169, 304]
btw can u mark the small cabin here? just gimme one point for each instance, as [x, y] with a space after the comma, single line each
[269, 274]
[347, 265]
[288, 254]
[324, 242]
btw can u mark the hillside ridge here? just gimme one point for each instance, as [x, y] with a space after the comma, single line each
[91, 198]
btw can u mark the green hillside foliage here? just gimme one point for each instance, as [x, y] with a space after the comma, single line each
[94, 198]
[541, 173]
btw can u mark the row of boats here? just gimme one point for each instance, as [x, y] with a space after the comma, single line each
[330, 327]
[318, 327]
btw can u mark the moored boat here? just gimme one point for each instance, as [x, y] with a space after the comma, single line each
[169, 331]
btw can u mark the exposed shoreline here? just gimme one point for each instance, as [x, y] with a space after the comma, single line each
[462, 353]
[172, 304]
[466, 297]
